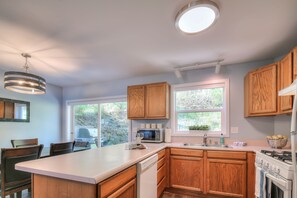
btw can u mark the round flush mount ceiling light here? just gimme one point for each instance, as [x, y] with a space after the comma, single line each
[197, 16]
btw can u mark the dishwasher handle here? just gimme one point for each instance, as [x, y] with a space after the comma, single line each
[147, 163]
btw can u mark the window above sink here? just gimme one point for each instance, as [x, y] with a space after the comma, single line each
[201, 103]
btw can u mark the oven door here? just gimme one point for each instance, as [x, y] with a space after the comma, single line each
[277, 187]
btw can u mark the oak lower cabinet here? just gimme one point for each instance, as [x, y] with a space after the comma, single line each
[226, 173]
[260, 91]
[186, 169]
[149, 101]
[121, 185]
[162, 167]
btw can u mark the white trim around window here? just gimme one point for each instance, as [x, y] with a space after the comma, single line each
[195, 86]
[70, 116]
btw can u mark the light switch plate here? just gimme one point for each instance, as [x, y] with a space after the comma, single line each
[234, 129]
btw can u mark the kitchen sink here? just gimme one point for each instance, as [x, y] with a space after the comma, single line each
[208, 145]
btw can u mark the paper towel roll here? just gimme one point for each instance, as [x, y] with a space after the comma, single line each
[167, 135]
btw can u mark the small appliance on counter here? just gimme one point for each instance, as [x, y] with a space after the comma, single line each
[151, 135]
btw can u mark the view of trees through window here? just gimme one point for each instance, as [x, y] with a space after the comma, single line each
[113, 123]
[199, 107]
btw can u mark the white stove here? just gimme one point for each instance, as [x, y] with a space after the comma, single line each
[278, 170]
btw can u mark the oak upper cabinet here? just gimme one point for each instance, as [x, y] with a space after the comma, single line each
[226, 173]
[136, 101]
[295, 62]
[186, 169]
[150, 101]
[260, 91]
[285, 79]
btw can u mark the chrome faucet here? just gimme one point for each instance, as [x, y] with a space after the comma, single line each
[205, 139]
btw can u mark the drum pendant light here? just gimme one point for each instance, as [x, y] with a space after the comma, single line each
[24, 82]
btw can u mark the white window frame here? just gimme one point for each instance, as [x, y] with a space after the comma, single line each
[70, 115]
[197, 85]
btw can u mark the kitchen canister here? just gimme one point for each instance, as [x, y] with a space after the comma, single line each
[159, 126]
[142, 126]
[147, 126]
[167, 135]
[153, 125]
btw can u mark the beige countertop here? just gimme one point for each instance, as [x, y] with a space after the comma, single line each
[96, 165]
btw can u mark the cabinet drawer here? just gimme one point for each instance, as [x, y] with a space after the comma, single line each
[161, 173]
[161, 154]
[161, 162]
[110, 185]
[161, 187]
[186, 152]
[226, 155]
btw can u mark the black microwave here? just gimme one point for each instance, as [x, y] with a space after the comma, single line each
[151, 135]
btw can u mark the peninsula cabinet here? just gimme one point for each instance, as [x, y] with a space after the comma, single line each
[149, 101]
[186, 169]
[121, 185]
[260, 90]
[226, 173]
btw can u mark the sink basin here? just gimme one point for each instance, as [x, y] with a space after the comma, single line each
[208, 145]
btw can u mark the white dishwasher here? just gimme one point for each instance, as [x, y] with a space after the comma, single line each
[147, 178]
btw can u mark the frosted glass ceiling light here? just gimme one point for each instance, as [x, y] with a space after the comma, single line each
[197, 16]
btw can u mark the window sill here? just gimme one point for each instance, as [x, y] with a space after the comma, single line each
[198, 134]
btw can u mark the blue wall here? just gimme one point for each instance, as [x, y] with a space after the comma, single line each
[45, 120]
[249, 128]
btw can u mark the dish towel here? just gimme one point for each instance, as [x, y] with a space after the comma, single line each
[262, 184]
[257, 184]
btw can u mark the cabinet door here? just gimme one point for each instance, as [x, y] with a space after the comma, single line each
[128, 190]
[295, 62]
[226, 177]
[157, 101]
[251, 172]
[136, 101]
[286, 78]
[262, 91]
[186, 173]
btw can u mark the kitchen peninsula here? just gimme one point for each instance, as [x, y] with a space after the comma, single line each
[89, 173]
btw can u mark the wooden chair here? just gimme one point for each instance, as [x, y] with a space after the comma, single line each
[85, 145]
[24, 142]
[14, 181]
[61, 148]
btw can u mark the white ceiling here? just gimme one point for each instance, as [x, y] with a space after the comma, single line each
[76, 42]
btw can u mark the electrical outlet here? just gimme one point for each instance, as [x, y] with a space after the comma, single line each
[234, 129]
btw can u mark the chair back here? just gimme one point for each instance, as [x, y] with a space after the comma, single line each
[24, 142]
[82, 144]
[12, 179]
[61, 148]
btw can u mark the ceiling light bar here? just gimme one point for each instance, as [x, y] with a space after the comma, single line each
[200, 65]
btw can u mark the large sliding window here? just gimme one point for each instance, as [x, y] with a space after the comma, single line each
[101, 122]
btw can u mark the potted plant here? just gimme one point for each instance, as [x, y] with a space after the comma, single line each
[199, 128]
